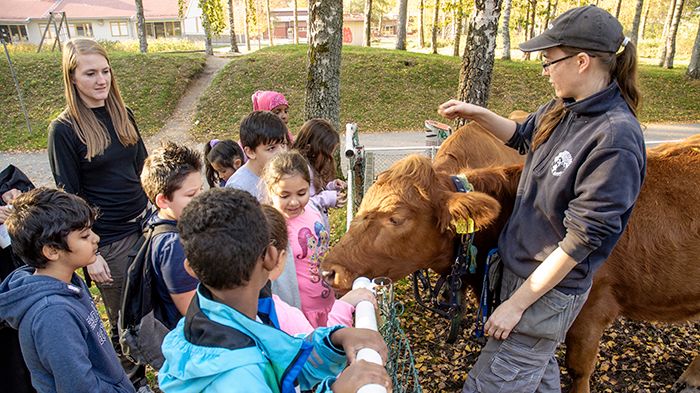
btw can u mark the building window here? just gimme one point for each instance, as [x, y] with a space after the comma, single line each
[13, 33]
[163, 29]
[81, 29]
[119, 29]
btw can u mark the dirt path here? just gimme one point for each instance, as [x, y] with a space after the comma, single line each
[177, 127]
[36, 165]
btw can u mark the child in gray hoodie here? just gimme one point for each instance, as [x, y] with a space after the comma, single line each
[63, 340]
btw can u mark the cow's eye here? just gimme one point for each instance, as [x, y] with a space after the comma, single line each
[396, 220]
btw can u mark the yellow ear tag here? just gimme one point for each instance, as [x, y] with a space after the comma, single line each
[462, 226]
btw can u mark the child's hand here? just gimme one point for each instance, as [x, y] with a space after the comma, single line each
[354, 339]
[355, 296]
[339, 184]
[341, 199]
[359, 374]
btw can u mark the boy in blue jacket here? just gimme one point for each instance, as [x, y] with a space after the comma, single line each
[63, 340]
[224, 344]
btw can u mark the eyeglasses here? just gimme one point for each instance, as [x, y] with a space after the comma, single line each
[549, 63]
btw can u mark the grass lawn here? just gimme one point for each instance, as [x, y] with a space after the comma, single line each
[387, 90]
[150, 85]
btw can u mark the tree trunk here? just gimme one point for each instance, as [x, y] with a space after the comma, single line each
[231, 19]
[141, 27]
[505, 30]
[380, 28]
[694, 66]
[403, 19]
[270, 28]
[553, 14]
[296, 24]
[664, 36]
[634, 34]
[459, 18]
[246, 23]
[645, 15]
[617, 9]
[671, 40]
[368, 23]
[436, 20]
[547, 16]
[531, 34]
[477, 63]
[208, 48]
[325, 34]
[421, 35]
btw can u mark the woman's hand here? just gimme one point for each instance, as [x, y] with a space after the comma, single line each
[454, 109]
[10, 196]
[99, 271]
[503, 320]
[339, 184]
[359, 374]
[355, 296]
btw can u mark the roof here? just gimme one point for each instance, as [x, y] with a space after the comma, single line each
[23, 10]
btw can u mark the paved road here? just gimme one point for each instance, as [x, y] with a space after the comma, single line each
[36, 166]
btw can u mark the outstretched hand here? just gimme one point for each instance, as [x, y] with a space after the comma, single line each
[454, 109]
[357, 295]
[354, 339]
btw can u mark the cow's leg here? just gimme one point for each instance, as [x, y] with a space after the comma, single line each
[583, 337]
[690, 380]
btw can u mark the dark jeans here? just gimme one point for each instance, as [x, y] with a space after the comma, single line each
[116, 254]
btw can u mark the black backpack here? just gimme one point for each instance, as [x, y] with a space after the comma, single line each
[141, 333]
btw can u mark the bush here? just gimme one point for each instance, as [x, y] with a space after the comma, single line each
[21, 47]
[154, 45]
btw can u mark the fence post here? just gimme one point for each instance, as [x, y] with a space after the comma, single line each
[366, 318]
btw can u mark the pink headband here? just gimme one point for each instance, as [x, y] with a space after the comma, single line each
[267, 100]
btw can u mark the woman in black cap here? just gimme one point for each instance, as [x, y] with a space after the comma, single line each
[584, 168]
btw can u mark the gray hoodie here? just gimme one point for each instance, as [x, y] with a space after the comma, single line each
[63, 340]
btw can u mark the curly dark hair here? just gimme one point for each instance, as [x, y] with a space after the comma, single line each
[45, 217]
[166, 168]
[224, 233]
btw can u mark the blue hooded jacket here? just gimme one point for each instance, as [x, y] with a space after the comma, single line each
[63, 340]
[215, 348]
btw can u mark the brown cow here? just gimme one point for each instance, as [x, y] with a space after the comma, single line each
[403, 225]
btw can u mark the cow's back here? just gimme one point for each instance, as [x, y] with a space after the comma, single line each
[655, 268]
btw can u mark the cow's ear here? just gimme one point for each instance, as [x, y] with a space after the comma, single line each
[478, 206]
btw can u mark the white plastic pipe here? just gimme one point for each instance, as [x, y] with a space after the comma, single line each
[350, 200]
[350, 129]
[365, 318]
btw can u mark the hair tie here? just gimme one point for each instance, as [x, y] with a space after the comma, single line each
[623, 45]
[213, 143]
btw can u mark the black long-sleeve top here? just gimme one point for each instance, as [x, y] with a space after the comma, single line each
[110, 181]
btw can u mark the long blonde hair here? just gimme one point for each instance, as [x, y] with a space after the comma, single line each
[622, 67]
[90, 131]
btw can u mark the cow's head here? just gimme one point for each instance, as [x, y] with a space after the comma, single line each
[404, 224]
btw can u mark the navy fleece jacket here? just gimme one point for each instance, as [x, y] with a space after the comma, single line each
[577, 189]
[63, 341]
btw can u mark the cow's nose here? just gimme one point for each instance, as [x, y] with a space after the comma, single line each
[328, 275]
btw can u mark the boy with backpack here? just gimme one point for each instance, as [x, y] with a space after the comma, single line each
[222, 344]
[63, 339]
[171, 178]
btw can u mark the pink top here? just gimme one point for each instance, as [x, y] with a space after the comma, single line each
[309, 239]
[293, 322]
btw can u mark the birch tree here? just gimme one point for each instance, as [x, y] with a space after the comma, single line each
[368, 23]
[231, 26]
[325, 29]
[634, 34]
[477, 63]
[505, 30]
[672, 31]
[436, 20]
[694, 66]
[141, 27]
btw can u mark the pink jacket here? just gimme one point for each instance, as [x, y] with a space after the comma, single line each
[293, 322]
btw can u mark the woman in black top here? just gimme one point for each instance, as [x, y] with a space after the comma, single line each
[96, 152]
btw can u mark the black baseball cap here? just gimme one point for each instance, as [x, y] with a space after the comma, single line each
[586, 27]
